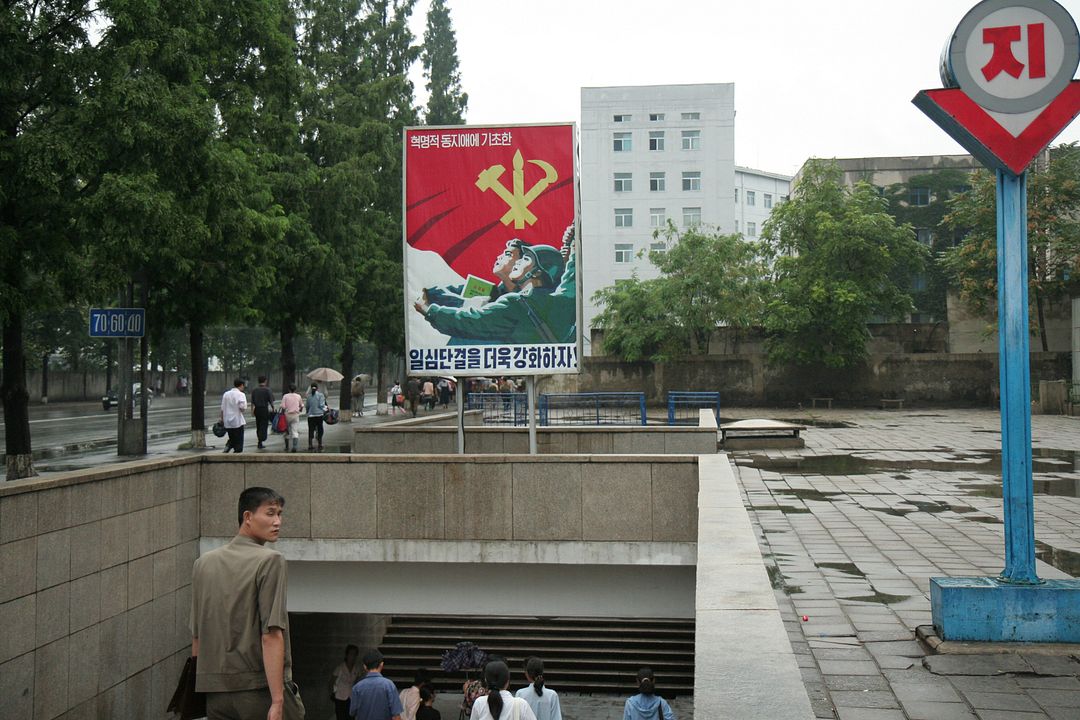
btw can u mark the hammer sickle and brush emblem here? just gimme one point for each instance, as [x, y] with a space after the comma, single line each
[519, 199]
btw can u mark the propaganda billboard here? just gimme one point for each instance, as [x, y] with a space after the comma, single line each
[490, 250]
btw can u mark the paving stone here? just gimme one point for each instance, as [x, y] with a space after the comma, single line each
[1001, 701]
[868, 714]
[864, 698]
[920, 710]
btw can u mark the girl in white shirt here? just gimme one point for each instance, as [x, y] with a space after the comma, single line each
[499, 704]
[543, 701]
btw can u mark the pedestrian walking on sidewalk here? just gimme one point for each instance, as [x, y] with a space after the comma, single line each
[262, 397]
[427, 711]
[291, 405]
[357, 389]
[543, 701]
[499, 704]
[316, 409]
[647, 705]
[233, 405]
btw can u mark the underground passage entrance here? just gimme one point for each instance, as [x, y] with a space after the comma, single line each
[596, 656]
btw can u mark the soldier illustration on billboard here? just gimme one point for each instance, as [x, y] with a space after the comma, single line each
[541, 307]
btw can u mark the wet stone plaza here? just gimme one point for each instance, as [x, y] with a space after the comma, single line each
[853, 526]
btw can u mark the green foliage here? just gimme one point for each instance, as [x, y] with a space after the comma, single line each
[941, 185]
[446, 102]
[1053, 207]
[707, 280]
[839, 259]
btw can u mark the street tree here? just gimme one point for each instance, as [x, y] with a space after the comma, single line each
[839, 259]
[1053, 215]
[707, 280]
[179, 198]
[446, 100]
[358, 54]
[47, 59]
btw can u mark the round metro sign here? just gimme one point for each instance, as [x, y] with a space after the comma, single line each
[1012, 56]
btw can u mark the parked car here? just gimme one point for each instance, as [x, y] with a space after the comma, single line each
[111, 399]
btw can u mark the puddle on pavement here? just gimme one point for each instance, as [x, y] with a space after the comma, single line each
[819, 423]
[846, 568]
[1066, 561]
[877, 597]
[1053, 485]
[776, 575]
[1043, 461]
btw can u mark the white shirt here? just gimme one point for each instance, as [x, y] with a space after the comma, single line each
[522, 711]
[233, 404]
[344, 678]
[546, 706]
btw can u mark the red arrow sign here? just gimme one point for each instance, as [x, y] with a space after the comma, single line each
[982, 136]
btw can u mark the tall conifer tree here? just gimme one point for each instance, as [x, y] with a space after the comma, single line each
[446, 102]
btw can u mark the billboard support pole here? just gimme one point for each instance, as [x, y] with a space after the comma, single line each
[460, 397]
[530, 388]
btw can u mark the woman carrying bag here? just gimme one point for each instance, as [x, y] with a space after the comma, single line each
[316, 409]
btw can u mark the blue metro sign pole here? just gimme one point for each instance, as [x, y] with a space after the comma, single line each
[1015, 373]
[1008, 92]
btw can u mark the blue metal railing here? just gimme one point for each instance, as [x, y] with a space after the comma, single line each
[683, 406]
[500, 408]
[598, 408]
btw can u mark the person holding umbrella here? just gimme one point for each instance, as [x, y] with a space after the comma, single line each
[316, 409]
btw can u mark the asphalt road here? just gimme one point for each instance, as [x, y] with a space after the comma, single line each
[71, 436]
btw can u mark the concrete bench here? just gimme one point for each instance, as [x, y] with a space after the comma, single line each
[826, 401]
[760, 434]
[887, 403]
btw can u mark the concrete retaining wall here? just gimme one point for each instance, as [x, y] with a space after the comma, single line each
[463, 497]
[660, 440]
[96, 590]
[929, 378]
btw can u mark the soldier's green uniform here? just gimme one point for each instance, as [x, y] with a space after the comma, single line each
[533, 316]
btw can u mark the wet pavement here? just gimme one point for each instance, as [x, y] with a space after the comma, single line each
[855, 524]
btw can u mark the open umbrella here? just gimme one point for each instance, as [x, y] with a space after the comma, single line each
[325, 374]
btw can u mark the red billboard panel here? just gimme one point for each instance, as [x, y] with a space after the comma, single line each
[490, 247]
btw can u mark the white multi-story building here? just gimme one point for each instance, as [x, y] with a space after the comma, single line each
[649, 155]
[756, 193]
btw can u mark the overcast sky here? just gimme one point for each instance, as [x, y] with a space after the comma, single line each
[813, 78]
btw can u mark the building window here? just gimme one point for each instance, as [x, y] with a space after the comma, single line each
[657, 217]
[925, 236]
[918, 283]
[656, 140]
[622, 142]
[691, 216]
[624, 182]
[920, 196]
[691, 139]
[736, 226]
[751, 229]
[656, 117]
[691, 181]
[751, 198]
[736, 196]
[624, 252]
[658, 246]
[624, 217]
[622, 118]
[783, 198]
[768, 201]
[691, 116]
[657, 182]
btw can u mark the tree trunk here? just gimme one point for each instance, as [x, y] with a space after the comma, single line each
[19, 461]
[288, 354]
[347, 371]
[1042, 321]
[381, 383]
[45, 378]
[197, 385]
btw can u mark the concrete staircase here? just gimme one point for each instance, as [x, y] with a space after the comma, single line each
[587, 655]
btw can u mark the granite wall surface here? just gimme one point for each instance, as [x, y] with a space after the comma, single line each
[96, 569]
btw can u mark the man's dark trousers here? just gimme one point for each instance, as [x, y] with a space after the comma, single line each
[236, 439]
[262, 421]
